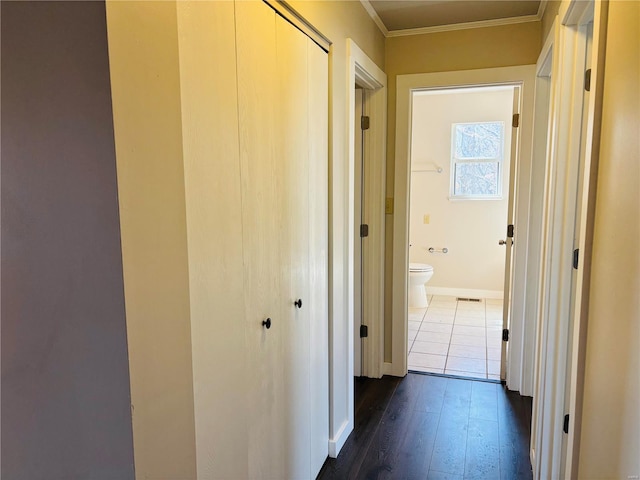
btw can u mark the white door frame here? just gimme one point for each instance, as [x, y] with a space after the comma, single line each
[586, 212]
[363, 71]
[562, 335]
[358, 268]
[542, 131]
[523, 75]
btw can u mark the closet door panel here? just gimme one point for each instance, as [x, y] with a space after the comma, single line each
[206, 37]
[319, 252]
[257, 84]
[292, 187]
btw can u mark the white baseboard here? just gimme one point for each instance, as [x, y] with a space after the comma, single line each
[464, 292]
[532, 458]
[338, 441]
[387, 369]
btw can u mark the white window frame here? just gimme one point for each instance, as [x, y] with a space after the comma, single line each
[455, 161]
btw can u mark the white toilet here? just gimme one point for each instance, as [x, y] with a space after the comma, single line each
[419, 274]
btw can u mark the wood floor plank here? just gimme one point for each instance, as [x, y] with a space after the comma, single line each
[457, 398]
[450, 446]
[376, 396]
[514, 426]
[431, 395]
[482, 460]
[434, 427]
[417, 448]
[432, 475]
[381, 461]
[484, 401]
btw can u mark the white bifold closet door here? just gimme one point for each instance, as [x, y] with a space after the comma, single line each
[215, 238]
[282, 107]
[216, 241]
[257, 87]
[318, 99]
[292, 181]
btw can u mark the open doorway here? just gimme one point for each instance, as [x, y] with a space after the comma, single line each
[361, 71]
[517, 367]
[360, 245]
[460, 152]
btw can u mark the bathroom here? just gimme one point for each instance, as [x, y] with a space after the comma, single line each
[460, 156]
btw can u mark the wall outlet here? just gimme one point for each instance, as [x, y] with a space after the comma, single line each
[388, 206]
[426, 219]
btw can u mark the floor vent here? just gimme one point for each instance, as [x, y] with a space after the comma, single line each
[462, 299]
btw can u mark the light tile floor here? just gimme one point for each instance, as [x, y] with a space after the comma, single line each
[456, 337]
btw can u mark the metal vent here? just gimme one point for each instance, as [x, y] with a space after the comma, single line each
[462, 299]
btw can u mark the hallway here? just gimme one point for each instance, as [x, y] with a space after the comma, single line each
[426, 426]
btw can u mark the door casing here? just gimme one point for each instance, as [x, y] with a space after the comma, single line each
[523, 75]
[363, 71]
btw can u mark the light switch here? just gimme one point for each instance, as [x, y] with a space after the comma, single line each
[426, 219]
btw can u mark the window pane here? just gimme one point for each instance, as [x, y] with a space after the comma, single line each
[478, 140]
[476, 178]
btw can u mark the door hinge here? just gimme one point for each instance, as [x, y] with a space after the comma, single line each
[364, 331]
[365, 122]
[587, 80]
[505, 335]
[510, 231]
[576, 256]
[516, 120]
[565, 424]
[364, 230]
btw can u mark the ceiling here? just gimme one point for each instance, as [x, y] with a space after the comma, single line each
[402, 17]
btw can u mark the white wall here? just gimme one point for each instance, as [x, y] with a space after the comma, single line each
[470, 229]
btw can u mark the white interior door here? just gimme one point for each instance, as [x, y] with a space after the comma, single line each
[509, 239]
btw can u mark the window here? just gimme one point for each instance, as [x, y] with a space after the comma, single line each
[476, 160]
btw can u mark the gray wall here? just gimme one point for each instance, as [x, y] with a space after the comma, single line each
[65, 379]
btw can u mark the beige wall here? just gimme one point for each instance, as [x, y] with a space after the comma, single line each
[339, 20]
[488, 47]
[470, 229]
[145, 83]
[610, 441]
[550, 12]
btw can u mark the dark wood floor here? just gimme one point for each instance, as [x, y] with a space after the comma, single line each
[432, 427]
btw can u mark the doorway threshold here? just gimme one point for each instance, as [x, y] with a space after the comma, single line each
[460, 377]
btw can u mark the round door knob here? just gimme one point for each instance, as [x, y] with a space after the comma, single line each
[298, 303]
[267, 323]
[502, 242]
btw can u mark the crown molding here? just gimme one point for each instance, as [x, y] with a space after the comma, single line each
[542, 8]
[464, 26]
[453, 26]
[374, 15]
